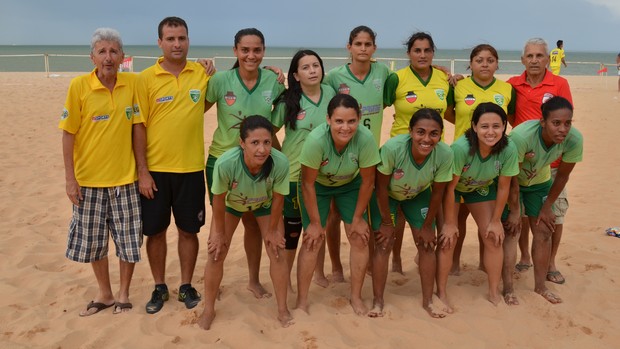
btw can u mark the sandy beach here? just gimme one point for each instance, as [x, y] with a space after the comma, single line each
[42, 292]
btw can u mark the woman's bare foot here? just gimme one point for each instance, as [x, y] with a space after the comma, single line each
[320, 280]
[259, 291]
[285, 319]
[337, 276]
[510, 298]
[205, 320]
[495, 298]
[550, 296]
[455, 270]
[445, 306]
[377, 309]
[397, 265]
[432, 310]
[302, 306]
[358, 307]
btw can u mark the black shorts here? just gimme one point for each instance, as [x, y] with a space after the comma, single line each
[184, 193]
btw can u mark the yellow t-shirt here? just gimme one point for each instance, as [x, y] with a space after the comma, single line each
[102, 123]
[172, 109]
[468, 94]
[555, 60]
[412, 94]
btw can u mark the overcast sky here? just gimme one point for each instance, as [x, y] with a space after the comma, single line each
[584, 25]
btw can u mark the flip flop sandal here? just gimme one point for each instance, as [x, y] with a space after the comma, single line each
[98, 307]
[119, 307]
[555, 277]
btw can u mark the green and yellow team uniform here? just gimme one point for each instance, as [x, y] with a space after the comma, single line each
[535, 158]
[468, 95]
[338, 172]
[172, 109]
[309, 117]
[555, 60]
[367, 92]
[235, 102]
[244, 191]
[102, 123]
[409, 93]
[479, 175]
[410, 181]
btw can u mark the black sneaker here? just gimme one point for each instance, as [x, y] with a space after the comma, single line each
[189, 296]
[159, 296]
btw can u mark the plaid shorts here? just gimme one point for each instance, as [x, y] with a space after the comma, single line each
[112, 210]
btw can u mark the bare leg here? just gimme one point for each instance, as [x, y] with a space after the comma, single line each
[126, 272]
[380, 261]
[289, 256]
[156, 250]
[399, 231]
[428, 269]
[553, 274]
[306, 262]
[358, 260]
[319, 272]
[510, 256]
[333, 243]
[253, 244]
[541, 252]
[445, 260]
[462, 226]
[214, 272]
[524, 245]
[188, 252]
[104, 295]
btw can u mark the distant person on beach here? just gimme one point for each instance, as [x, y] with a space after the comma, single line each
[249, 179]
[363, 79]
[169, 149]
[556, 58]
[301, 108]
[245, 89]
[534, 87]
[338, 161]
[100, 170]
[482, 86]
[415, 169]
[538, 143]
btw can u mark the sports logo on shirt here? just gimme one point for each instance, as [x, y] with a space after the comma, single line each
[398, 173]
[547, 96]
[378, 84]
[100, 118]
[344, 89]
[441, 94]
[128, 112]
[465, 168]
[136, 110]
[65, 114]
[164, 99]
[234, 184]
[530, 154]
[194, 95]
[483, 191]
[267, 96]
[324, 162]
[301, 115]
[470, 99]
[353, 158]
[499, 99]
[424, 212]
[230, 98]
[411, 97]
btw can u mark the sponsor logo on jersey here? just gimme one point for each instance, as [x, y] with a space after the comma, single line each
[470, 99]
[65, 114]
[234, 184]
[441, 93]
[344, 89]
[465, 168]
[128, 112]
[547, 96]
[530, 154]
[136, 110]
[301, 115]
[100, 118]
[267, 96]
[194, 95]
[411, 97]
[324, 162]
[398, 173]
[230, 98]
[164, 99]
[499, 99]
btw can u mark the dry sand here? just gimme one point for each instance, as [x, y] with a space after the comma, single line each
[42, 292]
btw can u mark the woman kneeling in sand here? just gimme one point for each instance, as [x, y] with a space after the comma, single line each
[252, 177]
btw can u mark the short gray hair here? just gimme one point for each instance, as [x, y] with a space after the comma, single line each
[535, 41]
[106, 34]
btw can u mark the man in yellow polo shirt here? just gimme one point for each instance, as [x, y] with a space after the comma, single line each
[100, 170]
[169, 148]
[556, 58]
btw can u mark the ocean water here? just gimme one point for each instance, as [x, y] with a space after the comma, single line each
[75, 58]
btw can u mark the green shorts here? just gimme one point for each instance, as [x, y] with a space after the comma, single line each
[415, 209]
[344, 196]
[482, 194]
[291, 202]
[560, 206]
[533, 197]
[259, 212]
[209, 170]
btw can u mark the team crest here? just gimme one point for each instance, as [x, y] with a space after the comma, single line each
[65, 114]
[465, 168]
[499, 100]
[398, 174]
[411, 97]
[530, 154]
[353, 158]
[424, 212]
[301, 115]
[234, 184]
[324, 162]
[470, 99]
[547, 96]
[441, 94]
[344, 89]
[136, 110]
[230, 98]
[128, 112]
[194, 95]
[483, 191]
[378, 84]
[267, 96]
